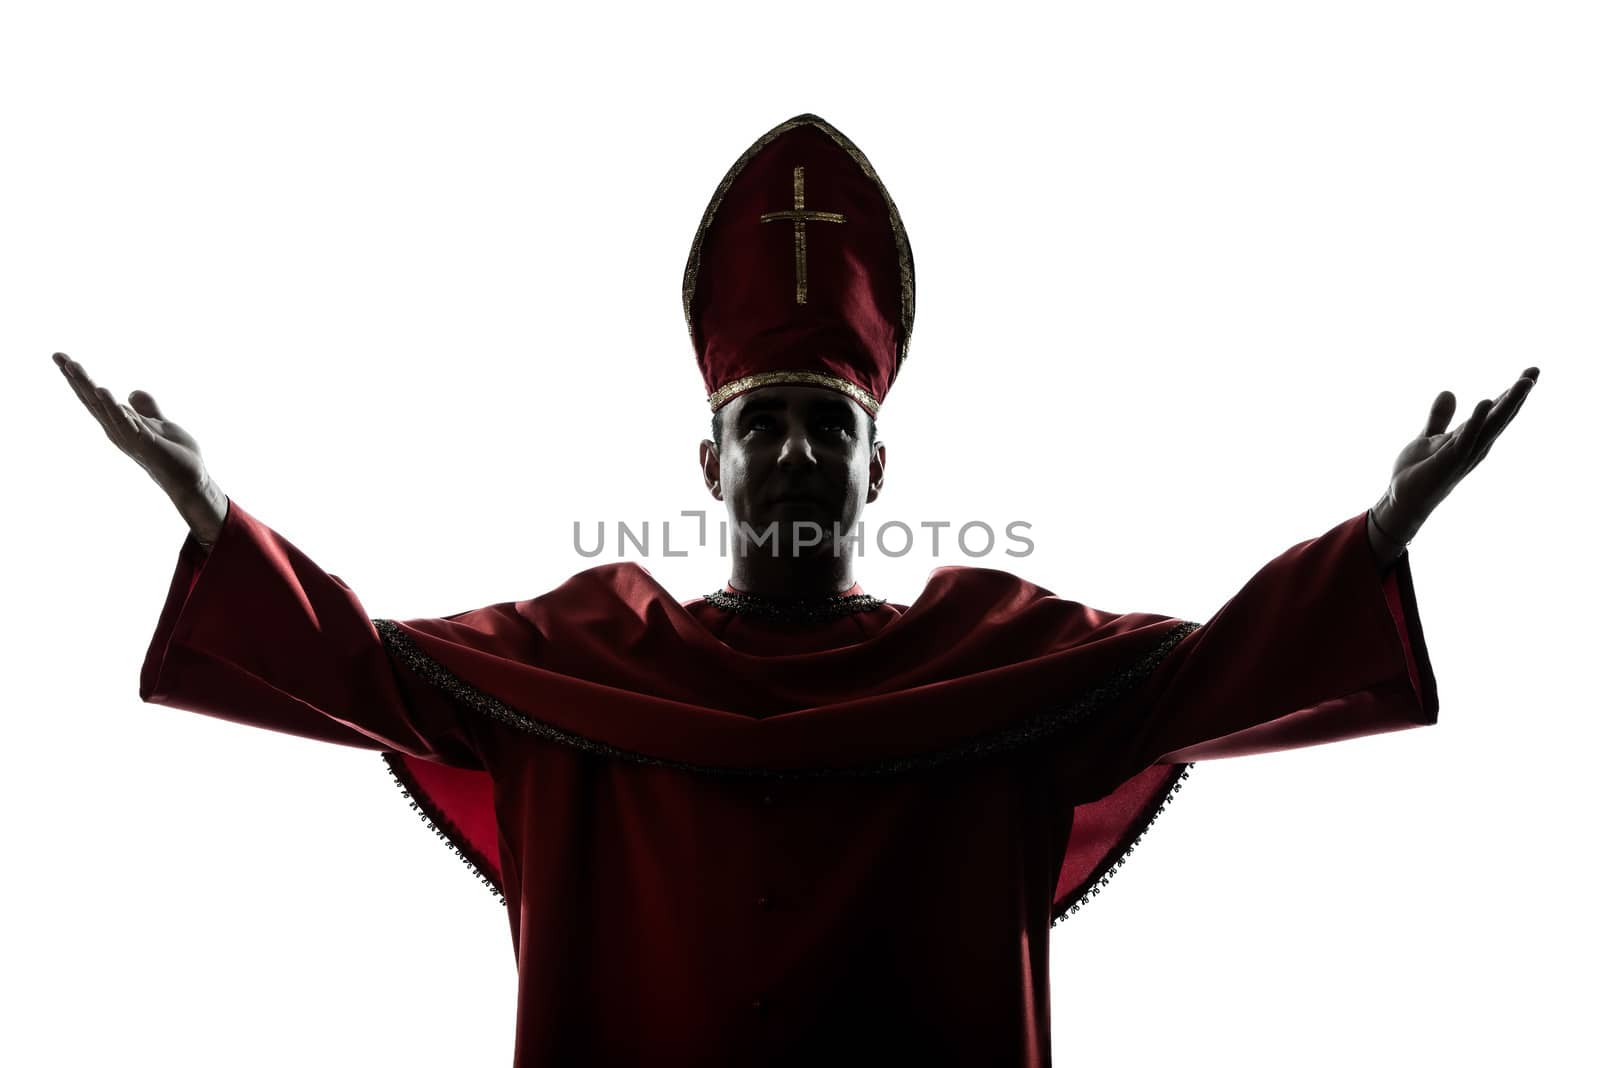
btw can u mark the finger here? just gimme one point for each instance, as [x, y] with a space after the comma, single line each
[1444, 406]
[1505, 406]
[115, 422]
[102, 400]
[99, 400]
[1531, 374]
[145, 404]
[104, 407]
[1500, 417]
[1489, 417]
[133, 420]
[82, 386]
[74, 370]
[1466, 435]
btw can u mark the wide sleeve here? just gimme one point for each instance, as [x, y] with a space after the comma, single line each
[255, 632]
[1321, 644]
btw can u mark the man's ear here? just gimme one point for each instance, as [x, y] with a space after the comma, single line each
[711, 467]
[880, 456]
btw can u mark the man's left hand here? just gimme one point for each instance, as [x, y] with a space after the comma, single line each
[1430, 466]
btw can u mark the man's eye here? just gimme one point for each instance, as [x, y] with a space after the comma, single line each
[761, 422]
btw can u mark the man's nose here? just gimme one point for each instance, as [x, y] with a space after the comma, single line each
[797, 448]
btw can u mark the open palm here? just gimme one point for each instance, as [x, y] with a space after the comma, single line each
[166, 451]
[1431, 464]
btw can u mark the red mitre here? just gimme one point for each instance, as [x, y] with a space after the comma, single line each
[800, 272]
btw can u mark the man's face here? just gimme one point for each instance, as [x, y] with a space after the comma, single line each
[805, 443]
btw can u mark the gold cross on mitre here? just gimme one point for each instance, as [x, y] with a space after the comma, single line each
[801, 216]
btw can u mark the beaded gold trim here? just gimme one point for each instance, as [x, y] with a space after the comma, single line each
[423, 806]
[1119, 856]
[728, 391]
[802, 610]
[908, 275]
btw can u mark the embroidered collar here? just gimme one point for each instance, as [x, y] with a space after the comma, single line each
[792, 609]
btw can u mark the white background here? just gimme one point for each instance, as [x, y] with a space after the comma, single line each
[1189, 276]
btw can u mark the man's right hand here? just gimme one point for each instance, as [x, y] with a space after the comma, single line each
[163, 448]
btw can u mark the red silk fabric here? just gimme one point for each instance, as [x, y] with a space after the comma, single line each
[656, 789]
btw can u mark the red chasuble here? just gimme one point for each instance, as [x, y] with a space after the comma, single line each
[729, 842]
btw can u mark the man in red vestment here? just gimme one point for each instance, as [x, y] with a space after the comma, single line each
[788, 822]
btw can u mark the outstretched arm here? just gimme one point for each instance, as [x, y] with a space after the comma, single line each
[253, 630]
[1319, 645]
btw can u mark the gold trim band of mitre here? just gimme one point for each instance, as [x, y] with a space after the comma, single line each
[794, 378]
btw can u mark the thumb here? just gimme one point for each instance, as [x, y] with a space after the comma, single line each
[1444, 406]
[145, 404]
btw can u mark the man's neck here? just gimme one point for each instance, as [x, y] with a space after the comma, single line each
[805, 578]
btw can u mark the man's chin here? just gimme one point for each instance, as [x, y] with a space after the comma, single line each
[796, 538]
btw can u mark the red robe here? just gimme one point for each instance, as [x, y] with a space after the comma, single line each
[729, 842]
